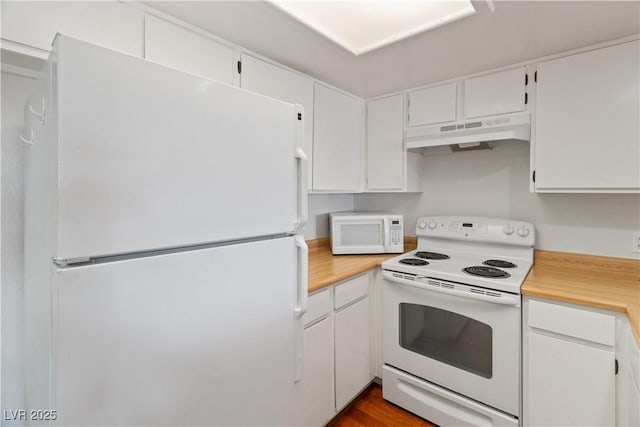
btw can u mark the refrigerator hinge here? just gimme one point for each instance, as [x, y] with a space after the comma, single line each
[66, 262]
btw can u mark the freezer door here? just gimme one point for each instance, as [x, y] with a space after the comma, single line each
[193, 338]
[150, 157]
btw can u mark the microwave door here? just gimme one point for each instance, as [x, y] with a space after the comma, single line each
[360, 237]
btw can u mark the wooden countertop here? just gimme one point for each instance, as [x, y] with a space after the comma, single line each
[326, 269]
[596, 281]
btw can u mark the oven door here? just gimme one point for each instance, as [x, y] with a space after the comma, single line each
[454, 336]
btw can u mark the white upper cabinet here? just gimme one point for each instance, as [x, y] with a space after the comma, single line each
[433, 105]
[338, 141]
[488, 95]
[390, 167]
[31, 26]
[168, 44]
[587, 133]
[277, 82]
[385, 153]
[496, 93]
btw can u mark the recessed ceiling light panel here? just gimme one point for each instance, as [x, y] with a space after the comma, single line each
[362, 26]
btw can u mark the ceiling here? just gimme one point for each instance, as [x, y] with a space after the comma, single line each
[517, 31]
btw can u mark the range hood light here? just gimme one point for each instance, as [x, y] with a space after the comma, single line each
[470, 146]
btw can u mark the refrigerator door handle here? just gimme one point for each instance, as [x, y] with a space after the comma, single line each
[303, 274]
[302, 163]
[301, 304]
[301, 160]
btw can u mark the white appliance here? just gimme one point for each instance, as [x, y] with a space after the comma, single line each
[469, 134]
[451, 321]
[365, 233]
[165, 280]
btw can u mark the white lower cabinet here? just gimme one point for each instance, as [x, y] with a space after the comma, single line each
[569, 383]
[628, 379]
[338, 351]
[569, 365]
[353, 352]
[317, 374]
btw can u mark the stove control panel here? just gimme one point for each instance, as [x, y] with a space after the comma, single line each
[492, 230]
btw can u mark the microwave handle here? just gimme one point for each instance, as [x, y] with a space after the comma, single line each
[387, 233]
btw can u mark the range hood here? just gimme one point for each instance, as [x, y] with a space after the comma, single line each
[470, 134]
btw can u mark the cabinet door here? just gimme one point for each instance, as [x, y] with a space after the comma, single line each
[338, 141]
[433, 105]
[352, 352]
[568, 383]
[497, 93]
[385, 153]
[114, 25]
[317, 375]
[628, 400]
[587, 128]
[627, 385]
[276, 82]
[176, 47]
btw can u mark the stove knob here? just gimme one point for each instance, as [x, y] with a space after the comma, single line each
[508, 230]
[422, 225]
[523, 231]
[432, 225]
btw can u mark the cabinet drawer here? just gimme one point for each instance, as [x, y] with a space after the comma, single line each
[318, 307]
[350, 291]
[572, 322]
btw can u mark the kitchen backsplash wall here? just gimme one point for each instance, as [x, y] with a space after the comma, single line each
[319, 207]
[496, 183]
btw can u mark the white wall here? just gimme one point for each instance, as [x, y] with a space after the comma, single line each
[496, 183]
[319, 206]
[14, 91]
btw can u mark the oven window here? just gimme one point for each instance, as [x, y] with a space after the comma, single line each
[447, 337]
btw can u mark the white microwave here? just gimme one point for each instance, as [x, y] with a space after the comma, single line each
[366, 233]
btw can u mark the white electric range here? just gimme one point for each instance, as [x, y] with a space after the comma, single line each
[451, 320]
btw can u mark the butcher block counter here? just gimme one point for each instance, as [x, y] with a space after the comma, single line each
[596, 281]
[326, 269]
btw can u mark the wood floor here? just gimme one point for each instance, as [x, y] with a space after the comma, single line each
[371, 410]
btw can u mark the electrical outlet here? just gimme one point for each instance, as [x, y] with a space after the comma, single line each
[636, 242]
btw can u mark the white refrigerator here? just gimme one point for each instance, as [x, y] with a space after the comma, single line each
[165, 272]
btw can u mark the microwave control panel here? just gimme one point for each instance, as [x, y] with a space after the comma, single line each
[395, 230]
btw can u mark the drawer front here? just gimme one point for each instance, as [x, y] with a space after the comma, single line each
[572, 322]
[350, 291]
[318, 307]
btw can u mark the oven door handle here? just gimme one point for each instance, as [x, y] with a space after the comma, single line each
[503, 299]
